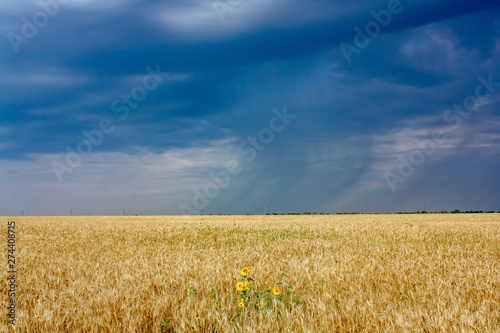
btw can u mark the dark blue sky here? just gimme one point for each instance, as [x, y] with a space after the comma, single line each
[171, 107]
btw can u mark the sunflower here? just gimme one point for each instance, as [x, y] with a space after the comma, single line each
[276, 291]
[245, 271]
[247, 285]
[241, 304]
[240, 286]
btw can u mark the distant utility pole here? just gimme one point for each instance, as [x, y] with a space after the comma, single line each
[342, 209]
[202, 211]
[71, 212]
[268, 210]
[23, 212]
[123, 211]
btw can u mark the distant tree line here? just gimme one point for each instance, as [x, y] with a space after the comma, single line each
[456, 211]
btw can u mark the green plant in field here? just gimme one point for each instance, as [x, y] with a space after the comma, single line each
[254, 298]
[167, 325]
[215, 295]
[191, 291]
[316, 283]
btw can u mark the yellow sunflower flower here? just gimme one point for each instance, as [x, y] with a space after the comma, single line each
[247, 285]
[240, 285]
[276, 291]
[241, 304]
[245, 271]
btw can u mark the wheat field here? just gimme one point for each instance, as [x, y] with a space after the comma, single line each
[348, 273]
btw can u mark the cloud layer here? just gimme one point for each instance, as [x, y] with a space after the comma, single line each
[151, 99]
